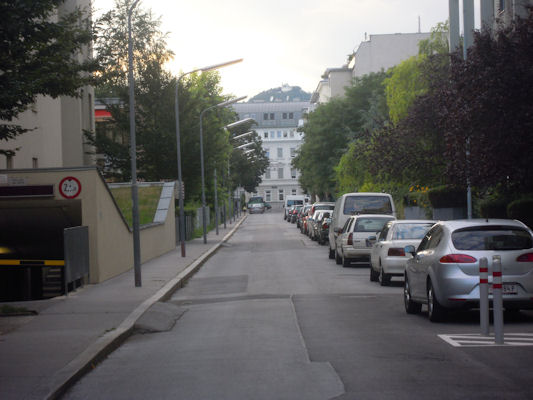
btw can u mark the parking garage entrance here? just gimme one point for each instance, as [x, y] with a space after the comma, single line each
[32, 247]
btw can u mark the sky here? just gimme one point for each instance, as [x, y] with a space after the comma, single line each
[280, 41]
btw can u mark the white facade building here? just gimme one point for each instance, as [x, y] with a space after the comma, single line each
[57, 137]
[277, 125]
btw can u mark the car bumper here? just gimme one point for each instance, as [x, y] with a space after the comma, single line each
[357, 255]
[458, 290]
[394, 265]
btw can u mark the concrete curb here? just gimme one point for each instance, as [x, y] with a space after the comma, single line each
[63, 379]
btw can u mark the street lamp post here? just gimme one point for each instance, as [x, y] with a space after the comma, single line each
[133, 156]
[219, 105]
[229, 127]
[178, 145]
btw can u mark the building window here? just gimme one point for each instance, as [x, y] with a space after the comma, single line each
[293, 174]
[291, 115]
[272, 134]
[280, 194]
[284, 115]
[9, 162]
[280, 152]
[34, 162]
[267, 151]
[285, 134]
[268, 195]
[267, 173]
[265, 135]
[272, 116]
[279, 134]
[265, 116]
[294, 192]
[293, 152]
[280, 173]
[291, 134]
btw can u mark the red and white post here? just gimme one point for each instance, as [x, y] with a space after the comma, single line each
[497, 301]
[484, 296]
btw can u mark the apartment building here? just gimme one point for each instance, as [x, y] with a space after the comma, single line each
[277, 125]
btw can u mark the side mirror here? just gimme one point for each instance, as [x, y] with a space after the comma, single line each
[410, 249]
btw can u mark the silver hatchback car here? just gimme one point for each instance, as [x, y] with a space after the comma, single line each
[444, 271]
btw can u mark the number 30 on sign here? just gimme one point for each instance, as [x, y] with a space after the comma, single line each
[70, 187]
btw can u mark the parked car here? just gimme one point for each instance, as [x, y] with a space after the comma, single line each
[293, 214]
[444, 270]
[357, 203]
[323, 227]
[388, 256]
[312, 223]
[256, 208]
[301, 215]
[353, 245]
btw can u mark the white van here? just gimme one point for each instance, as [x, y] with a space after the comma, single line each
[357, 203]
[293, 200]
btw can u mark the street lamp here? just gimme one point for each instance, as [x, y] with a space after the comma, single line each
[219, 105]
[178, 145]
[241, 136]
[229, 127]
[133, 156]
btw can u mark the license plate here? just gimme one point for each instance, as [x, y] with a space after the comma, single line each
[507, 288]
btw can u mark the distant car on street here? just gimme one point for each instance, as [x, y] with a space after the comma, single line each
[256, 208]
[444, 270]
[388, 256]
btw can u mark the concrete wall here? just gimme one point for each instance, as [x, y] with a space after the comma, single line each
[110, 239]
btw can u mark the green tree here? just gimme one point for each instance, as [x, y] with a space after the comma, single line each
[487, 102]
[38, 56]
[330, 129]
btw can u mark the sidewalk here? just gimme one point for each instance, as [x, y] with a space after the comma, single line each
[42, 355]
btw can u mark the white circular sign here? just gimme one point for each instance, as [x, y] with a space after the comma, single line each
[70, 187]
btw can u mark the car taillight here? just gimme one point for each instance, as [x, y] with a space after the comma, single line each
[457, 259]
[350, 239]
[325, 226]
[528, 257]
[396, 251]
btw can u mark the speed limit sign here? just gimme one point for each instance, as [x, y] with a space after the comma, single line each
[70, 187]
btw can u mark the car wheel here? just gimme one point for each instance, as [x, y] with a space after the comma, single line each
[410, 306]
[338, 258]
[436, 312]
[373, 275]
[331, 254]
[384, 279]
[345, 262]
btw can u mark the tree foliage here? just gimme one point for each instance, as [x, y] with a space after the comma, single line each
[38, 56]
[155, 116]
[488, 104]
[330, 129]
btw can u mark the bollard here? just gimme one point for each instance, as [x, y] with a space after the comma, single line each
[484, 296]
[497, 301]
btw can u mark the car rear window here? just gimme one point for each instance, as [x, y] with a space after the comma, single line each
[294, 202]
[370, 224]
[492, 238]
[410, 231]
[367, 205]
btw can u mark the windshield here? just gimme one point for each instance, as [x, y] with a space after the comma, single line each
[410, 231]
[367, 205]
[492, 238]
[370, 224]
[293, 202]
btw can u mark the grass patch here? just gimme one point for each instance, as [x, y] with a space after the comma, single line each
[148, 200]
[7, 310]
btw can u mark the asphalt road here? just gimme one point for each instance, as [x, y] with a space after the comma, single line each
[271, 317]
